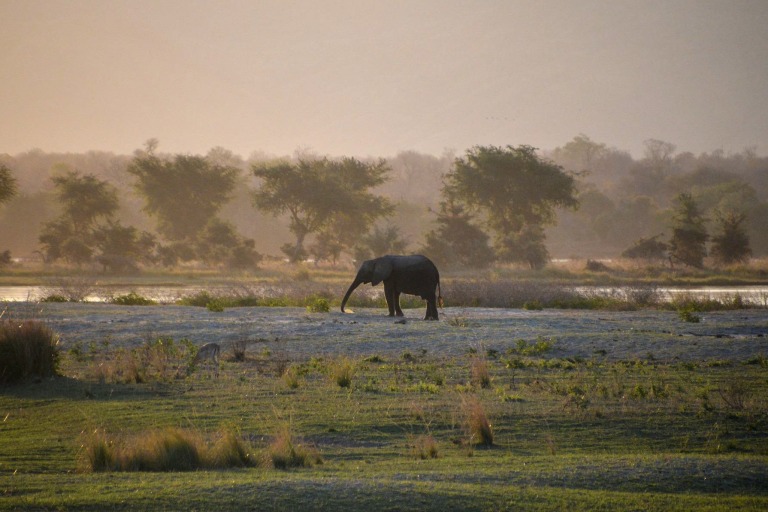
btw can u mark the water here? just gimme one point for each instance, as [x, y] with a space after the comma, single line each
[757, 295]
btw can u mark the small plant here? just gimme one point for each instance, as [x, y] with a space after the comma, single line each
[238, 349]
[342, 372]
[459, 321]
[533, 305]
[318, 305]
[424, 447]
[688, 315]
[291, 377]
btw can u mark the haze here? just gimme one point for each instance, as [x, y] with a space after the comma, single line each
[372, 78]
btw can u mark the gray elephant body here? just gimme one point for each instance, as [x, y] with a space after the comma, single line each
[413, 275]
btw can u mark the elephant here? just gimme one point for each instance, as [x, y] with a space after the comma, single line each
[414, 275]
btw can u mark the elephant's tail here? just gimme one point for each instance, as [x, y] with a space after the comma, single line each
[439, 295]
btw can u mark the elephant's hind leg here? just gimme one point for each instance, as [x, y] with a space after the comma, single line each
[431, 310]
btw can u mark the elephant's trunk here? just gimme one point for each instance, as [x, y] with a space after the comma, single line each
[352, 287]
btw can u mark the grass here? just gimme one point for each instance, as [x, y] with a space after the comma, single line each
[552, 433]
[555, 429]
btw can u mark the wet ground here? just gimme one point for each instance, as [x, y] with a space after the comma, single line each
[737, 335]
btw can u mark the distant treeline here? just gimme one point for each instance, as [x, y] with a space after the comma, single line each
[621, 199]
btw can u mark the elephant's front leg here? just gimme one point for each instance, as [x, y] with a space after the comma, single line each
[398, 311]
[389, 294]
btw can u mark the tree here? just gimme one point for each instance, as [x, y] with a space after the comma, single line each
[85, 200]
[516, 192]
[731, 245]
[457, 242]
[121, 247]
[689, 234]
[219, 243]
[647, 249]
[8, 184]
[320, 193]
[183, 193]
[379, 242]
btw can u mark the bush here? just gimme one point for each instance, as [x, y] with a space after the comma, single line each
[318, 304]
[28, 348]
[132, 299]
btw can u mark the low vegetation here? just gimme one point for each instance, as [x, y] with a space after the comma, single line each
[366, 430]
[28, 349]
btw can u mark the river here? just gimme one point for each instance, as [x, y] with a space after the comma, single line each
[756, 295]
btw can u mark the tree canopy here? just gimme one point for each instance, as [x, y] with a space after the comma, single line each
[689, 233]
[517, 194]
[183, 193]
[85, 200]
[319, 193]
[731, 244]
[8, 184]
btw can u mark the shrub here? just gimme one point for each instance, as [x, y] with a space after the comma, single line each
[28, 348]
[132, 299]
[316, 304]
[215, 305]
[54, 298]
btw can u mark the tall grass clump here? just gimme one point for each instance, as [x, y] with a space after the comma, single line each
[342, 372]
[424, 447]
[478, 425]
[480, 375]
[285, 452]
[27, 349]
[169, 449]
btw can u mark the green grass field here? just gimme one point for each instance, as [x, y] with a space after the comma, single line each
[392, 425]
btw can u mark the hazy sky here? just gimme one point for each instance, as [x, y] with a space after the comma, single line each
[371, 78]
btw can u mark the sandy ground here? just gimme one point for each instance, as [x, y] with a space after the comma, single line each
[660, 335]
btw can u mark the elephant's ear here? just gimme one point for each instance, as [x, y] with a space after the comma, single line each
[381, 271]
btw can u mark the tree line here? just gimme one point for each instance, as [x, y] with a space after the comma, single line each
[489, 204]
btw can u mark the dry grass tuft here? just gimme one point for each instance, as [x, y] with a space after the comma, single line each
[169, 449]
[424, 447]
[479, 373]
[285, 452]
[478, 425]
[342, 372]
[27, 348]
